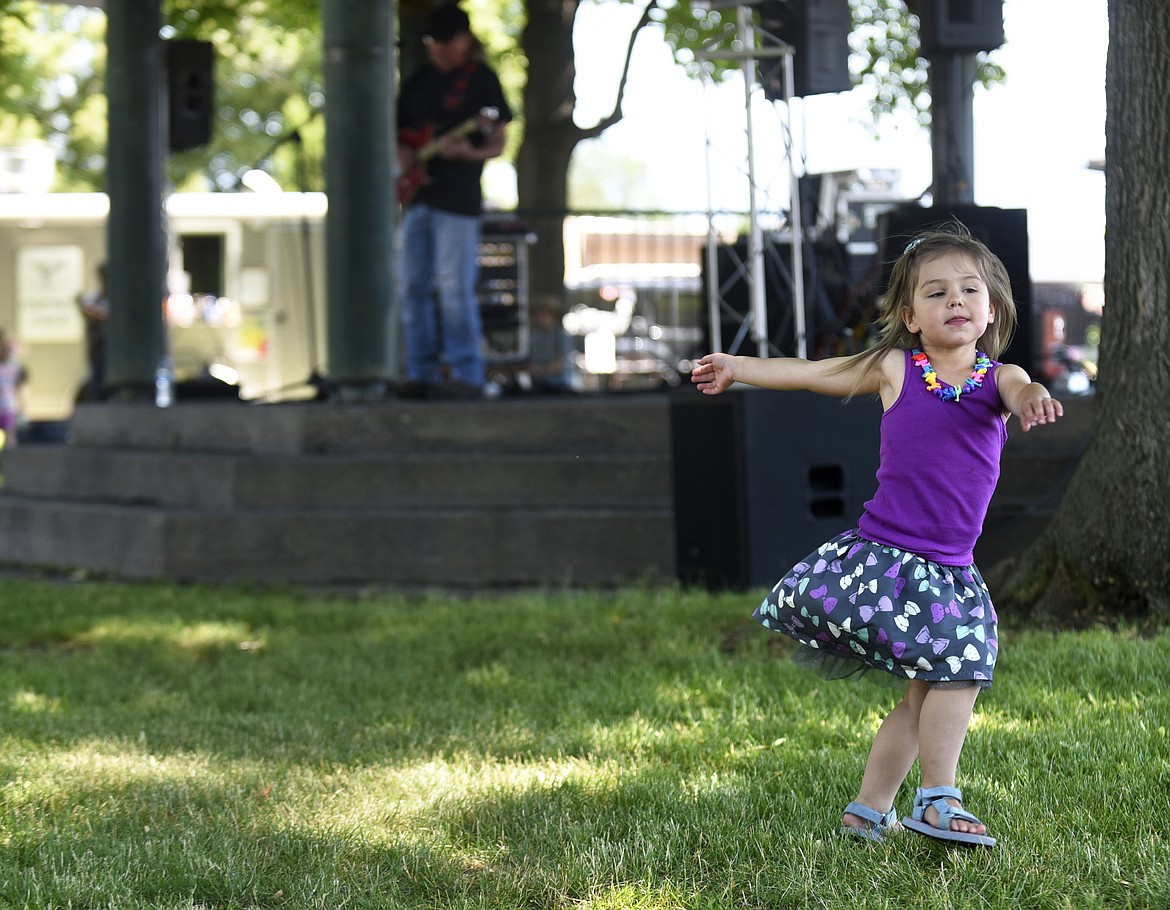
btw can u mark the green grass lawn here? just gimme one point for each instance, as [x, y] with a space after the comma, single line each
[167, 747]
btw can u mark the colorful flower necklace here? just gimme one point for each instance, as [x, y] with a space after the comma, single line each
[948, 392]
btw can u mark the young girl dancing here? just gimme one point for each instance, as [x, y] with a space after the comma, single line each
[900, 593]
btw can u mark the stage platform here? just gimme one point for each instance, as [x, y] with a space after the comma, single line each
[557, 491]
[563, 491]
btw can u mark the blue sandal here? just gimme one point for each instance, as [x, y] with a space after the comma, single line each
[937, 797]
[879, 825]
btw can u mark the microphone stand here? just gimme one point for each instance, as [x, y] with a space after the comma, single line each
[315, 380]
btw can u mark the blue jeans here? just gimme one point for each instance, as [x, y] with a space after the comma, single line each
[439, 258]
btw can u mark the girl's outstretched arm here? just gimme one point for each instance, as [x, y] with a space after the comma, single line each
[838, 376]
[1028, 400]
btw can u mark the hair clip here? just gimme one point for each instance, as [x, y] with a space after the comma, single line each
[911, 246]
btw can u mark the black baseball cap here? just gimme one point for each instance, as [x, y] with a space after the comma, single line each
[446, 22]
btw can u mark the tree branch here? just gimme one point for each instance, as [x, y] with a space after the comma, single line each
[616, 114]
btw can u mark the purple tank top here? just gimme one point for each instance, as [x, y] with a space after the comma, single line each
[939, 467]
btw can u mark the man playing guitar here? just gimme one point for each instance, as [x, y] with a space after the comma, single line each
[452, 117]
[426, 145]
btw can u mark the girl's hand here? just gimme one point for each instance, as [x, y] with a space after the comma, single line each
[1036, 407]
[714, 373]
[1028, 400]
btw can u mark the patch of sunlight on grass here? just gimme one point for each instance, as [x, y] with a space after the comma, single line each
[725, 786]
[41, 777]
[629, 897]
[995, 722]
[735, 750]
[492, 676]
[631, 733]
[386, 802]
[713, 694]
[640, 736]
[28, 702]
[1070, 709]
[197, 638]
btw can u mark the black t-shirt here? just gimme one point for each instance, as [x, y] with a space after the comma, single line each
[441, 101]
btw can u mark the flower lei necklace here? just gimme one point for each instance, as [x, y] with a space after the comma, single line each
[948, 392]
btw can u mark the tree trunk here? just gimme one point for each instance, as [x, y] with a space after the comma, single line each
[1106, 552]
[550, 135]
[542, 170]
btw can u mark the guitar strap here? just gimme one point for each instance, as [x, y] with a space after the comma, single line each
[457, 93]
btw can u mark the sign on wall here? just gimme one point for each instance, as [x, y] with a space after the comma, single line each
[48, 281]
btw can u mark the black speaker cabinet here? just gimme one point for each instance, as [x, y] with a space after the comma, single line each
[818, 31]
[190, 93]
[1003, 231]
[761, 478]
[959, 26]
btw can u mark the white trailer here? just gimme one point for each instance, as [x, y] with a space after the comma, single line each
[245, 279]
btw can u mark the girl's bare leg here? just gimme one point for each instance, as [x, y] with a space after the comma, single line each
[943, 719]
[895, 746]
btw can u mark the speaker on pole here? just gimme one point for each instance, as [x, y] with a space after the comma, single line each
[818, 31]
[959, 26]
[190, 93]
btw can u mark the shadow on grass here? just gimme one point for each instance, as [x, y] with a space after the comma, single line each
[647, 753]
[156, 845]
[158, 836]
[351, 683]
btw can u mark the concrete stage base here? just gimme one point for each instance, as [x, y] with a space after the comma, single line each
[534, 492]
[526, 492]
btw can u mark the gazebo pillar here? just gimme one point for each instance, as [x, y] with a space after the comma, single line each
[359, 63]
[135, 231]
[359, 181]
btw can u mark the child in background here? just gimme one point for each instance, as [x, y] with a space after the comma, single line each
[11, 384]
[900, 593]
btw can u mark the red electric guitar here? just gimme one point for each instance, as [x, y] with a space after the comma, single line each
[427, 145]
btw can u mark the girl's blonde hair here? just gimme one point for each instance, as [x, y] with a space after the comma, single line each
[952, 237]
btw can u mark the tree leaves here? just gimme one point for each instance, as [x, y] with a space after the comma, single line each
[267, 79]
